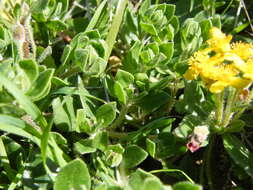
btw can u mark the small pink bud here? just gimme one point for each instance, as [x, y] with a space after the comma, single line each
[197, 138]
[192, 146]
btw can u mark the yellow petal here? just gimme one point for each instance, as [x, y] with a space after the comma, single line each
[190, 74]
[218, 86]
[244, 50]
[239, 83]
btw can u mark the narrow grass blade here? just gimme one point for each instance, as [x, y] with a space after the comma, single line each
[111, 38]
[96, 16]
[5, 161]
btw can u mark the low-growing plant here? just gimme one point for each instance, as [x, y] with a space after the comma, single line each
[133, 95]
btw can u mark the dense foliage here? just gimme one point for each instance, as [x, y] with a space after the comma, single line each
[121, 94]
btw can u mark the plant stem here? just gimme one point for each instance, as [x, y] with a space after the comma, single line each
[117, 135]
[202, 171]
[239, 113]
[219, 106]
[230, 102]
[209, 163]
[120, 118]
[173, 98]
[173, 170]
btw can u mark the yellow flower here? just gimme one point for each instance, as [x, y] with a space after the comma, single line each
[219, 42]
[248, 71]
[218, 86]
[221, 64]
[243, 50]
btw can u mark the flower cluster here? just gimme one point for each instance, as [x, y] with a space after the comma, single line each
[222, 63]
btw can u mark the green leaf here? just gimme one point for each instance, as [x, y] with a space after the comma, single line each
[167, 49]
[144, 6]
[205, 25]
[175, 23]
[239, 153]
[100, 9]
[240, 28]
[186, 126]
[133, 156]
[68, 100]
[170, 11]
[56, 25]
[149, 28]
[18, 127]
[39, 5]
[40, 87]
[44, 143]
[186, 186]
[119, 92]
[61, 118]
[30, 68]
[106, 114]
[81, 57]
[23, 100]
[142, 180]
[113, 159]
[116, 148]
[235, 126]
[101, 140]
[5, 161]
[75, 175]
[59, 82]
[152, 184]
[65, 55]
[216, 21]
[82, 122]
[84, 146]
[98, 67]
[124, 78]
[131, 62]
[151, 147]
[153, 101]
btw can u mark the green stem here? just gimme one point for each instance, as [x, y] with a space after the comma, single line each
[209, 163]
[20, 49]
[120, 118]
[230, 103]
[219, 106]
[229, 5]
[173, 99]
[173, 170]
[117, 135]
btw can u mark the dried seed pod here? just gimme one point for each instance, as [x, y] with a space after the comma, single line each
[19, 33]
[114, 63]
[244, 95]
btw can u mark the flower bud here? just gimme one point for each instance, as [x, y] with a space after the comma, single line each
[197, 138]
